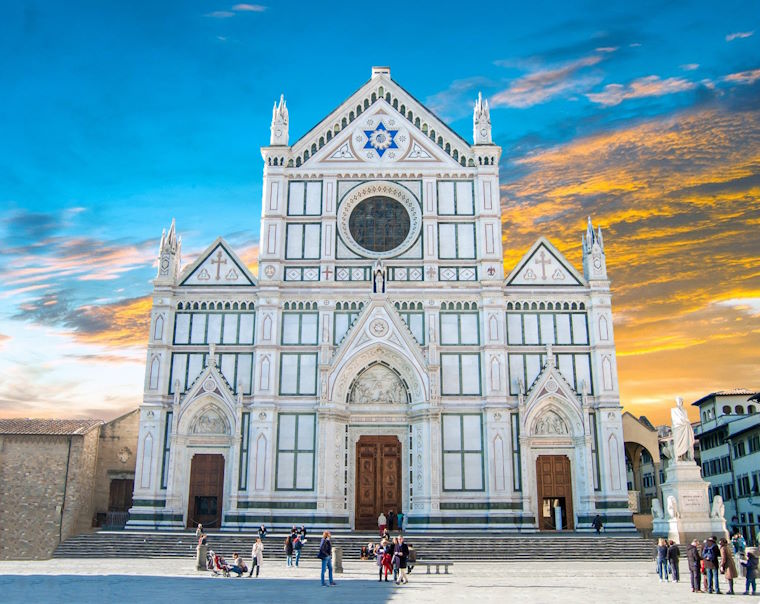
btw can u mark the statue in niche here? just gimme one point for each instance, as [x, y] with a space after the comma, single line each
[378, 278]
[656, 509]
[550, 424]
[210, 423]
[672, 507]
[683, 433]
[378, 384]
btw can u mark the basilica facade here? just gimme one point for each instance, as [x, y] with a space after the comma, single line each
[382, 359]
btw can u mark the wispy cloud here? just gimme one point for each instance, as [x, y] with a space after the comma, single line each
[648, 86]
[738, 35]
[237, 8]
[743, 77]
[544, 84]
[690, 66]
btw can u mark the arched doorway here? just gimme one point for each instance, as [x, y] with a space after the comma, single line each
[204, 505]
[555, 493]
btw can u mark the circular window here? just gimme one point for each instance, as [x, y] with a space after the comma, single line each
[379, 224]
[379, 219]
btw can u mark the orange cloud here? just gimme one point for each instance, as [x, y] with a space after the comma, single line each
[677, 199]
[117, 325]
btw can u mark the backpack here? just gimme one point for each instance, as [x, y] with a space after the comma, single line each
[708, 554]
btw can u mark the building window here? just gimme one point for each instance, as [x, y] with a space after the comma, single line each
[460, 374]
[455, 197]
[595, 451]
[456, 240]
[295, 451]
[236, 368]
[415, 321]
[342, 321]
[575, 368]
[726, 410]
[516, 464]
[459, 329]
[213, 328]
[245, 429]
[305, 198]
[303, 241]
[462, 453]
[739, 450]
[298, 373]
[529, 329]
[299, 328]
[167, 448]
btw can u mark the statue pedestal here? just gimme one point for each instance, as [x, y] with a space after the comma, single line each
[691, 518]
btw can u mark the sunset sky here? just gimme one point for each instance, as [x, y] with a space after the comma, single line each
[116, 117]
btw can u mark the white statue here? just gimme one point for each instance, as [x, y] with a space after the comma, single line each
[378, 277]
[683, 433]
[672, 507]
[656, 509]
[718, 509]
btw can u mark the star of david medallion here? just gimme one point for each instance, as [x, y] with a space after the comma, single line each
[380, 139]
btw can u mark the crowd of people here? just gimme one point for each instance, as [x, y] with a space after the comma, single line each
[707, 560]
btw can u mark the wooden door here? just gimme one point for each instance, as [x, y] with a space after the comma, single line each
[120, 494]
[206, 489]
[554, 485]
[378, 479]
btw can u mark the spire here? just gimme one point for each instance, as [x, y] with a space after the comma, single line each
[279, 127]
[481, 122]
[594, 262]
[169, 253]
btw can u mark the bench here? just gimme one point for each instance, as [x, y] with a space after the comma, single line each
[438, 564]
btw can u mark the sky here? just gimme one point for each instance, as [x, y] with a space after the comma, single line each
[118, 116]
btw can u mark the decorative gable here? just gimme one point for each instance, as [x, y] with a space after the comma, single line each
[380, 134]
[217, 266]
[544, 265]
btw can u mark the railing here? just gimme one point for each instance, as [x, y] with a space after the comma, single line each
[116, 519]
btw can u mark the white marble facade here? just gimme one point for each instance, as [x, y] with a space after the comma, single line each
[381, 307]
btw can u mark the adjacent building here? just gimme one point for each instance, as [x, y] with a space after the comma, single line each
[729, 440]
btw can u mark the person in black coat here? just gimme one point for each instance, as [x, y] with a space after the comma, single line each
[402, 554]
[391, 520]
[673, 555]
[694, 560]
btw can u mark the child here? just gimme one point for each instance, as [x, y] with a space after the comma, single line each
[751, 566]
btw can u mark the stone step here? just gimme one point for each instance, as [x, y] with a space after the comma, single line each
[469, 546]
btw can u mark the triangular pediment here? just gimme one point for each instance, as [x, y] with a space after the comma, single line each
[381, 135]
[217, 266]
[210, 381]
[549, 399]
[335, 137]
[544, 265]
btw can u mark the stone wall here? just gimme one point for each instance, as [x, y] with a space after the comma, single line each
[46, 493]
[116, 456]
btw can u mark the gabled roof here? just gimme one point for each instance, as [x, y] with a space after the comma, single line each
[380, 87]
[217, 266]
[48, 427]
[544, 265]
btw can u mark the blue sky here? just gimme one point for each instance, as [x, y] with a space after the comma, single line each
[117, 117]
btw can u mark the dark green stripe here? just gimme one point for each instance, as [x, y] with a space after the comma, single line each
[606, 505]
[277, 505]
[519, 520]
[149, 503]
[295, 519]
[156, 516]
[606, 518]
[481, 505]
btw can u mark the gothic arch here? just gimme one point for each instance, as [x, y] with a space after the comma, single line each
[547, 409]
[260, 465]
[158, 328]
[155, 370]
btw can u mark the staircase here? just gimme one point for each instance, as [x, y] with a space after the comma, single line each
[473, 546]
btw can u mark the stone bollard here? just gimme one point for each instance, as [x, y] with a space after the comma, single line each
[337, 558]
[200, 556]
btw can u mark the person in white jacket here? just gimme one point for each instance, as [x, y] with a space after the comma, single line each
[257, 556]
[381, 522]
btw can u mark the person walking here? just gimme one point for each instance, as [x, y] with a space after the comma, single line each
[727, 564]
[662, 559]
[200, 535]
[381, 523]
[288, 547]
[402, 551]
[693, 558]
[391, 520]
[751, 567]
[711, 557]
[384, 553]
[394, 558]
[597, 523]
[400, 520]
[297, 546]
[257, 556]
[673, 557]
[325, 554]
